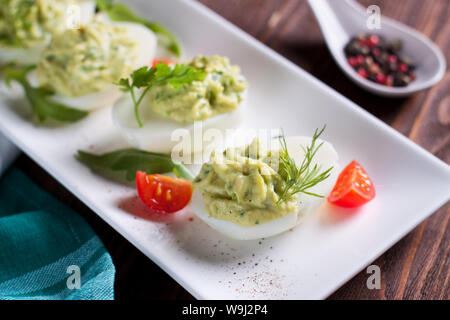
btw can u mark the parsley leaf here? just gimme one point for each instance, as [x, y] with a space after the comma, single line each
[142, 77]
[39, 98]
[147, 77]
[128, 161]
[120, 12]
[300, 179]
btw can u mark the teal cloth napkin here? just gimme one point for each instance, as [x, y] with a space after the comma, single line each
[45, 247]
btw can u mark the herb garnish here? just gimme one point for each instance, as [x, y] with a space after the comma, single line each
[160, 74]
[128, 161]
[120, 12]
[39, 98]
[300, 179]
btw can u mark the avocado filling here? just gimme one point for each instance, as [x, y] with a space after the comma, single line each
[220, 92]
[242, 185]
[25, 23]
[86, 60]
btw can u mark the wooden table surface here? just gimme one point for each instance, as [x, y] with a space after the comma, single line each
[417, 267]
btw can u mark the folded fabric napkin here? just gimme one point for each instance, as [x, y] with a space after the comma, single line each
[47, 250]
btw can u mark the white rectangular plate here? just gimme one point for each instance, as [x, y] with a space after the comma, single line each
[312, 260]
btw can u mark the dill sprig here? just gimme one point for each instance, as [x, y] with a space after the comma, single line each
[300, 179]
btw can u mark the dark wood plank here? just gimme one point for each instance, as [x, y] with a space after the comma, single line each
[417, 267]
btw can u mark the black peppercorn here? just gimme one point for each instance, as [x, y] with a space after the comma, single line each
[379, 61]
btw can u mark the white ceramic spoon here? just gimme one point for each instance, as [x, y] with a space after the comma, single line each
[341, 20]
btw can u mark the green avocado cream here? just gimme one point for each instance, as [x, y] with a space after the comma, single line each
[220, 92]
[24, 23]
[241, 185]
[82, 61]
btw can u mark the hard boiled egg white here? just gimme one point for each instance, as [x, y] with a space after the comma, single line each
[325, 157]
[106, 97]
[156, 133]
[28, 56]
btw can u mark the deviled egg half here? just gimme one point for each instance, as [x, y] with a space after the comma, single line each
[80, 65]
[215, 102]
[27, 26]
[241, 192]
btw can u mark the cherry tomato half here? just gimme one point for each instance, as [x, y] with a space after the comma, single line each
[161, 193]
[353, 187]
[157, 61]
